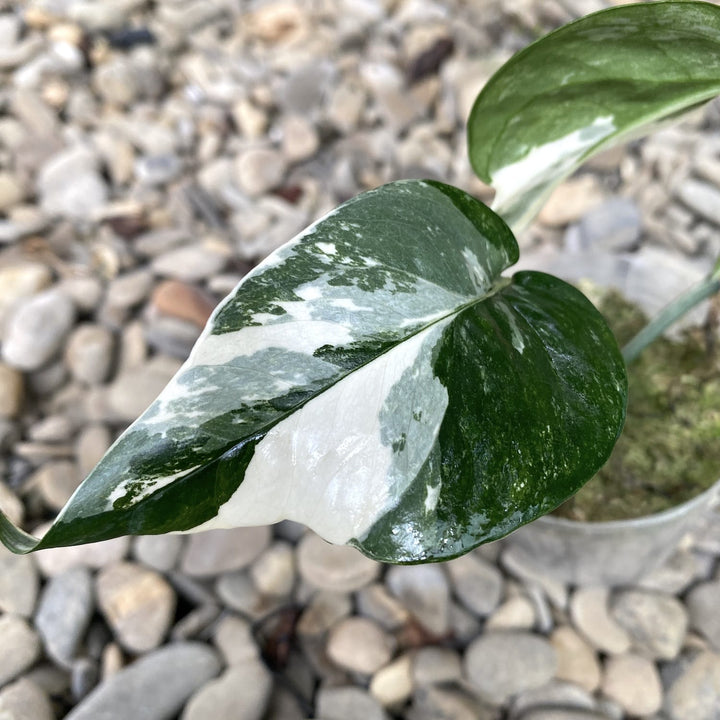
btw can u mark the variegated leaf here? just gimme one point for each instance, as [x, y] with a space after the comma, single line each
[378, 380]
[593, 83]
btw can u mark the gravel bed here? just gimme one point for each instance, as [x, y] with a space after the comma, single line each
[150, 154]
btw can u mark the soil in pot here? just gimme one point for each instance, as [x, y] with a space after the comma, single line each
[669, 450]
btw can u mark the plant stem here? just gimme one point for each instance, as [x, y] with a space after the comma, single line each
[673, 312]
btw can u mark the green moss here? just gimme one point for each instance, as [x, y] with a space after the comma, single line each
[669, 450]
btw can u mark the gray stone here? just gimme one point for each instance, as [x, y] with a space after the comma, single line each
[237, 591]
[129, 289]
[322, 612]
[702, 603]
[633, 682]
[555, 694]
[157, 169]
[10, 504]
[259, 170]
[92, 442]
[431, 703]
[12, 391]
[56, 480]
[436, 665]
[675, 575]
[19, 281]
[219, 551]
[18, 583]
[89, 353]
[374, 601]
[516, 613]
[702, 198]
[25, 700]
[20, 647]
[500, 665]
[695, 694]
[70, 184]
[477, 583]
[52, 429]
[424, 591]
[300, 140]
[64, 613]
[347, 703]
[137, 603]
[155, 687]
[242, 691]
[36, 330]
[133, 390]
[339, 568]
[590, 613]
[84, 677]
[160, 552]
[562, 714]
[656, 623]
[613, 226]
[359, 645]
[55, 561]
[191, 263]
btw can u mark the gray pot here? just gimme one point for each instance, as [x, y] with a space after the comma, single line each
[616, 552]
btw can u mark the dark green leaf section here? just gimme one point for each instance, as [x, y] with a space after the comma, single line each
[634, 65]
[523, 430]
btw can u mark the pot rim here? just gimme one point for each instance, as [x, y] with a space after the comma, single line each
[709, 497]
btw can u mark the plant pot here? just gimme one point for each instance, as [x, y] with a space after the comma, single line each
[614, 552]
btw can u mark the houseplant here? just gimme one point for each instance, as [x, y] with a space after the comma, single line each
[377, 377]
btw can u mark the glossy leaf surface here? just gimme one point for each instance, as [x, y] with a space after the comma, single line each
[595, 82]
[378, 380]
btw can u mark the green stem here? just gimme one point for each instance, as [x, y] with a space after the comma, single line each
[673, 312]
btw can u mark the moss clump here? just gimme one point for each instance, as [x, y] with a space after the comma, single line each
[669, 450]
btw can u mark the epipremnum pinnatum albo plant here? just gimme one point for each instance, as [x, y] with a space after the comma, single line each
[378, 378]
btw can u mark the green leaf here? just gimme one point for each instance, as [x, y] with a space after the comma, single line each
[378, 380]
[591, 84]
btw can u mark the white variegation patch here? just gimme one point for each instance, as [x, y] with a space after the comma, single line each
[523, 186]
[331, 465]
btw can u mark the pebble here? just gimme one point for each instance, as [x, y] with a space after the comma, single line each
[19, 281]
[12, 391]
[157, 169]
[300, 140]
[178, 669]
[191, 263]
[556, 694]
[392, 685]
[374, 601]
[339, 568]
[137, 603]
[695, 694]
[675, 575]
[242, 691]
[325, 608]
[92, 442]
[500, 665]
[424, 591]
[613, 226]
[11, 505]
[516, 613]
[234, 639]
[237, 591]
[576, 660]
[133, 390]
[348, 703]
[359, 645]
[70, 185]
[273, 573]
[434, 702]
[159, 552]
[55, 561]
[259, 170]
[477, 583]
[633, 682]
[657, 623]
[129, 289]
[702, 198]
[21, 647]
[89, 353]
[18, 584]
[57, 480]
[702, 604]
[436, 666]
[183, 301]
[220, 551]
[11, 191]
[37, 329]
[64, 613]
[590, 613]
[25, 700]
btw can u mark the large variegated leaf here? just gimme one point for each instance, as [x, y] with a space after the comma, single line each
[595, 82]
[377, 379]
